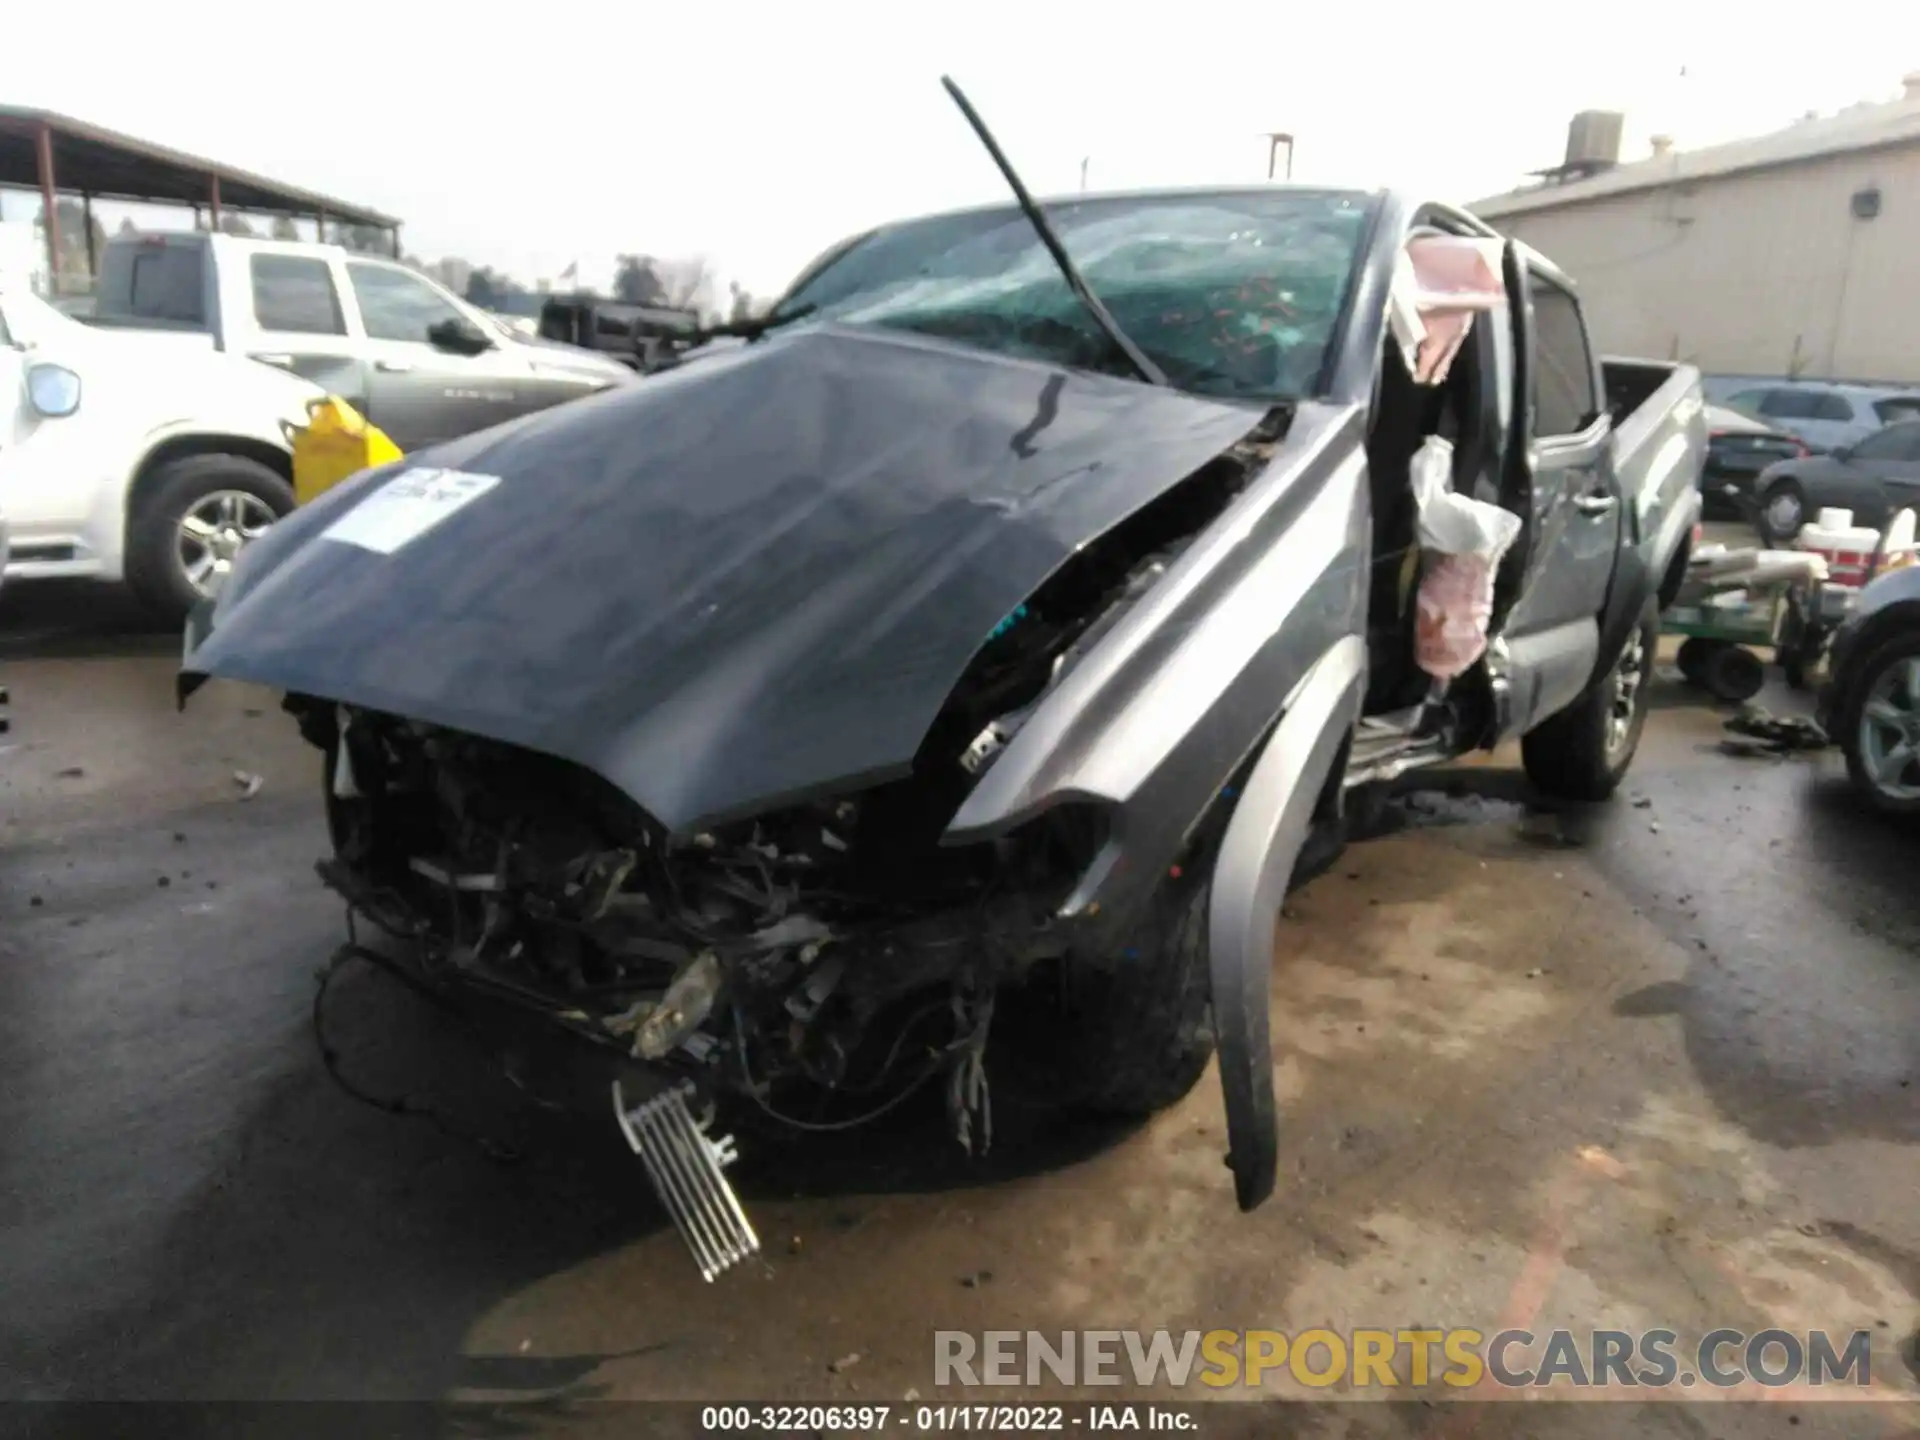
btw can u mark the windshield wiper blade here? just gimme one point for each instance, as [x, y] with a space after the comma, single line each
[1136, 357]
[748, 329]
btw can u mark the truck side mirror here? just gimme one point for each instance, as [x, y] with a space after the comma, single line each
[460, 337]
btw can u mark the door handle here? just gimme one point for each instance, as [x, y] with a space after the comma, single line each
[1595, 504]
[285, 362]
[394, 367]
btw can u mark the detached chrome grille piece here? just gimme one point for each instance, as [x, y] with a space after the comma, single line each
[685, 1167]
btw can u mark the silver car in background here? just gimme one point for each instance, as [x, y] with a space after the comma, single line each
[1824, 414]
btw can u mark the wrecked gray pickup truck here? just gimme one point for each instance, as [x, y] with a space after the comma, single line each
[986, 635]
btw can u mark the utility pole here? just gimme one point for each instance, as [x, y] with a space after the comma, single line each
[1083, 173]
[1275, 139]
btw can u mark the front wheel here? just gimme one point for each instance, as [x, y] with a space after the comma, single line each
[1123, 1035]
[197, 515]
[1583, 752]
[1780, 514]
[1879, 727]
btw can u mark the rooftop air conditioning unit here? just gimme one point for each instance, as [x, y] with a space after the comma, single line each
[1593, 140]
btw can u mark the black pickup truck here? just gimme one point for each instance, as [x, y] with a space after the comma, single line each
[970, 652]
[643, 337]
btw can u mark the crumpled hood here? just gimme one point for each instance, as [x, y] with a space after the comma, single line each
[724, 588]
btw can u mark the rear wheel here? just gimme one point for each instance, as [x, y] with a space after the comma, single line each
[1692, 657]
[1583, 752]
[198, 513]
[1733, 673]
[1879, 727]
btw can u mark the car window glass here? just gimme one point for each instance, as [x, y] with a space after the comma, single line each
[1750, 402]
[1829, 406]
[153, 279]
[1898, 407]
[1789, 405]
[397, 306]
[294, 293]
[1234, 294]
[1563, 396]
[1896, 442]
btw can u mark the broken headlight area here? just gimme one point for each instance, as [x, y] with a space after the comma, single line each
[815, 963]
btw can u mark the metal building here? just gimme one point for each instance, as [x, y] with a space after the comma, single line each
[58, 155]
[1795, 253]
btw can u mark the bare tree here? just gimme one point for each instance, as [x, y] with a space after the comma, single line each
[741, 304]
[71, 262]
[690, 284]
[636, 280]
[365, 239]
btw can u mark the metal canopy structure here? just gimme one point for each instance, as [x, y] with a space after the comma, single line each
[55, 154]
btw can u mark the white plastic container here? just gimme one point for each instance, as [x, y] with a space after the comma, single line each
[1847, 548]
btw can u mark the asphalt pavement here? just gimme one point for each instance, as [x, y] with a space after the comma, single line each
[1653, 1062]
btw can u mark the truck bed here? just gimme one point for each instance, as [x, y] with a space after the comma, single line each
[1660, 443]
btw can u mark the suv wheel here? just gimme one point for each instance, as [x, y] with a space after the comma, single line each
[199, 512]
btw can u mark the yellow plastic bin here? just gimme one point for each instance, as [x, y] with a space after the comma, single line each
[338, 442]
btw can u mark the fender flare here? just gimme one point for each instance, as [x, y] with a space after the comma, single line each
[1256, 861]
[1627, 596]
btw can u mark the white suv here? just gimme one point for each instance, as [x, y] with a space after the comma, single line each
[148, 458]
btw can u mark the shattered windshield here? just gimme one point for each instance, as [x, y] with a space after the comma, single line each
[1236, 294]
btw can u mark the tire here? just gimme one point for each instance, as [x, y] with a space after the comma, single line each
[1771, 516]
[1889, 664]
[157, 557]
[1135, 1034]
[1692, 658]
[1581, 753]
[1733, 673]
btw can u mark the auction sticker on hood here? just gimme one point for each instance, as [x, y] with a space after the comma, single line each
[408, 506]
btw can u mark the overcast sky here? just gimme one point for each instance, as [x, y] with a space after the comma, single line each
[529, 136]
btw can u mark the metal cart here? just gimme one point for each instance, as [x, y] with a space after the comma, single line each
[1738, 601]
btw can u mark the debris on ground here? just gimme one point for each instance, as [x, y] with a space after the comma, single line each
[845, 1362]
[1543, 828]
[1643, 802]
[1764, 733]
[975, 1280]
[248, 782]
[72, 772]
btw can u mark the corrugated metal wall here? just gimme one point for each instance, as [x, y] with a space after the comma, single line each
[1767, 273]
